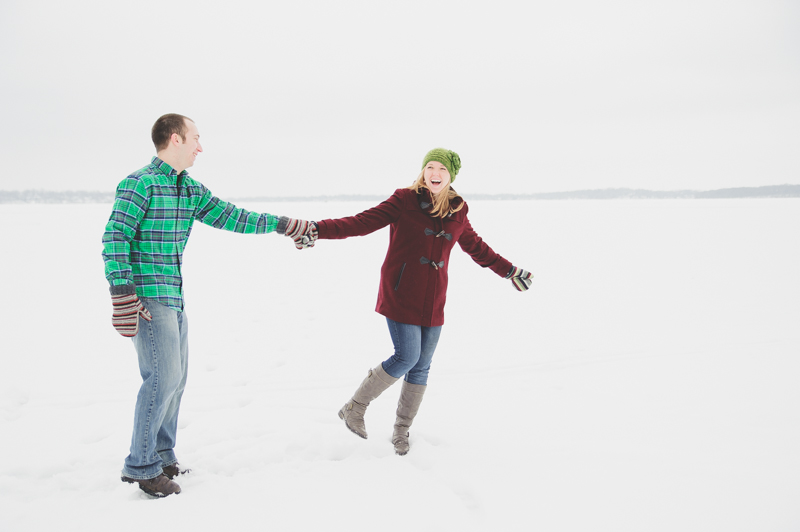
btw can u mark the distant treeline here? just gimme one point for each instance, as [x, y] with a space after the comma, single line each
[773, 191]
[50, 196]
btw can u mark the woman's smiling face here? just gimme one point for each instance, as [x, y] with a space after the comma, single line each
[437, 178]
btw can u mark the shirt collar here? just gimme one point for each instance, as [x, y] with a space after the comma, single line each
[165, 168]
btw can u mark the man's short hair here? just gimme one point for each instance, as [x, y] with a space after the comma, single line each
[165, 126]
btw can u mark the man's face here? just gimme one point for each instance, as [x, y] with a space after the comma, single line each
[189, 149]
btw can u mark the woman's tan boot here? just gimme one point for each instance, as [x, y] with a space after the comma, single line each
[407, 408]
[352, 413]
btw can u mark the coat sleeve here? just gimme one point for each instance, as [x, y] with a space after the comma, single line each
[364, 223]
[480, 251]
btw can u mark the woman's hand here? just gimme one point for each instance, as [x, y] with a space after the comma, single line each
[521, 279]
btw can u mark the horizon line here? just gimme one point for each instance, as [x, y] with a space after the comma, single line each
[763, 191]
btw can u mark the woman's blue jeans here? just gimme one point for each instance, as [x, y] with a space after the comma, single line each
[413, 350]
[163, 350]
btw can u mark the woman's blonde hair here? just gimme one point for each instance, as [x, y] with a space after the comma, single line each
[443, 202]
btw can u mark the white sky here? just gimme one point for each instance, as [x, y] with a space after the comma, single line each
[321, 97]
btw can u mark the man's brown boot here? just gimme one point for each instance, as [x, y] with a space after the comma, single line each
[353, 411]
[172, 471]
[407, 408]
[159, 486]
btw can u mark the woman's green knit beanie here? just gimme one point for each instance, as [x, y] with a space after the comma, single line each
[448, 158]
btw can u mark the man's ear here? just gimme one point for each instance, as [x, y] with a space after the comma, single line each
[175, 139]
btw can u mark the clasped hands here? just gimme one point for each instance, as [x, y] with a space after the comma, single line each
[303, 233]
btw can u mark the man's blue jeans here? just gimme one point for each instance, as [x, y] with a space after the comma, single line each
[163, 351]
[413, 351]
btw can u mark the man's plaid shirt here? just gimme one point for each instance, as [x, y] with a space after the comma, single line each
[147, 232]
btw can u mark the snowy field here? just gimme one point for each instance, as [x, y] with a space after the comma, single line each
[648, 381]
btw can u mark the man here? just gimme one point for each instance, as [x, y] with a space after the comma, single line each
[143, 244]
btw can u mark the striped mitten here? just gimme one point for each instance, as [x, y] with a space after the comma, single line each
[298, 230]
[310, 238]
[520, 278]
[127, 309]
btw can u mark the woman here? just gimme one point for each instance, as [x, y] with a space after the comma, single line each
[426, 219]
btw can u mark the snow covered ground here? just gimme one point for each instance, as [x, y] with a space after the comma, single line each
[647, 382]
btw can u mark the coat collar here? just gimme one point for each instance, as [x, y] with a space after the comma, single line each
[425, 200]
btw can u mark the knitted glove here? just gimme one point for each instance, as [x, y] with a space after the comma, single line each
[312, 234]
[298, 230]
[520, 278]
[127, 309]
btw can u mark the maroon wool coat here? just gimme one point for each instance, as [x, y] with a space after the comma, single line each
[412, 289]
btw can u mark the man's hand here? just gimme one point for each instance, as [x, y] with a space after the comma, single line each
[520, 278]
[127, 309]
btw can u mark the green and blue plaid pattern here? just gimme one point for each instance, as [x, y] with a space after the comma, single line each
[147, 232]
